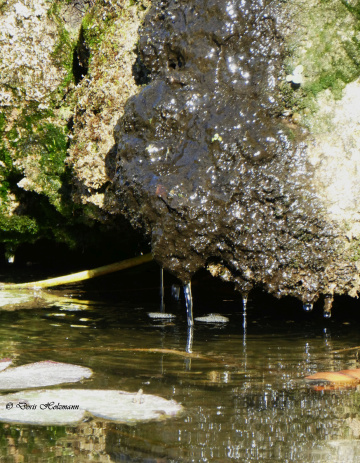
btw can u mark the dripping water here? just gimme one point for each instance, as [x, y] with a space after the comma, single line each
[190, 320]
[327, 338]
[189, 344]
[188, 304]
[308, 306]
[328, 301]
[244, 301]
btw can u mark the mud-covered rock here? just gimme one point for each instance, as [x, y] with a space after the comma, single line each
[212, 159]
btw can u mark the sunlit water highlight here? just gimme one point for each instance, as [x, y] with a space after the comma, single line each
[244, 396]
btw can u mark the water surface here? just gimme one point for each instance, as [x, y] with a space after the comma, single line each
[244, 396]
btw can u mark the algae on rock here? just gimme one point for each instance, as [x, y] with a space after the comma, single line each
[325, 39]
[109, 37]
[45, 50]
[33, 144]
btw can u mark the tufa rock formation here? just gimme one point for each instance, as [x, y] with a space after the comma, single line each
[236, 133]
[225, 157]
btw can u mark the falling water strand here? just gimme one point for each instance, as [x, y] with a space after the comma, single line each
[328, 301]
[327, 338]
[162, 302]
[188, 304]
[308, 306]
[244, 300]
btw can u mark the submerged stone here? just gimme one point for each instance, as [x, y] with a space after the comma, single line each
[40, 374]
[212, 318]
[159, 315]
[210, 160]
[70, 406]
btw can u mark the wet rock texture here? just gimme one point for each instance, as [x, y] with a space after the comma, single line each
[108, 50]
[238, 152]
[65, 73]
[209, 163]
[33, 60]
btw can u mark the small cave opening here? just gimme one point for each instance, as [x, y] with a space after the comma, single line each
[81, 57]
[140, 72]
[176, 60]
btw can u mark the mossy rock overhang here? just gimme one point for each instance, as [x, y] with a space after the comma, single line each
[46, 50]
[242, 153]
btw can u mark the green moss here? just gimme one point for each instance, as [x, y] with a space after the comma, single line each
[327, 45]
[5, 159]
[36, 144]
[91, 30]
[63, 52]
[34, 141]
[16, 229]
[42, 146]
[354, 8]
[354, 251]
[5, 167]
[94, 31]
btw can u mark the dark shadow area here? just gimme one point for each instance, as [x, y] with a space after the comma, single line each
[176, 58]
[70, 124]
[110, 162]
[140, 72]
[141, 285]
[81, 57]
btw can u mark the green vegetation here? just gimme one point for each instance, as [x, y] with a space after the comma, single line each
[33, 148]
[326, 42]
[36, 188]
[354, 251]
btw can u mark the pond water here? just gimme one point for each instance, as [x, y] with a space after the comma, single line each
[244, 397]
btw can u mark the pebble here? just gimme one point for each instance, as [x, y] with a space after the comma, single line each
[212, 318]
[160, 315]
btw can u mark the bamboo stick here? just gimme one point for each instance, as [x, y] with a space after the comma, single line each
[80, 276]
[344, 350]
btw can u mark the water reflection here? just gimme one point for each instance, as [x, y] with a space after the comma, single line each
[241, 384]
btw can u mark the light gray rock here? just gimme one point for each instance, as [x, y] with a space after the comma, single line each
[69, 406]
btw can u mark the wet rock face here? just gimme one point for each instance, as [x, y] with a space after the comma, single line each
[100, 98]
[205, 161]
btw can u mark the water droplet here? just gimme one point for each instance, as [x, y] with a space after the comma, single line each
[188, 304]
[308, 306]
[244, 300]
[328, 305]
[175, 292]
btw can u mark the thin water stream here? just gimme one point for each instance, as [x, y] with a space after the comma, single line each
[243, 393]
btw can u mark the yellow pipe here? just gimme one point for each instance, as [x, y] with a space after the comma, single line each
[80, 276]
